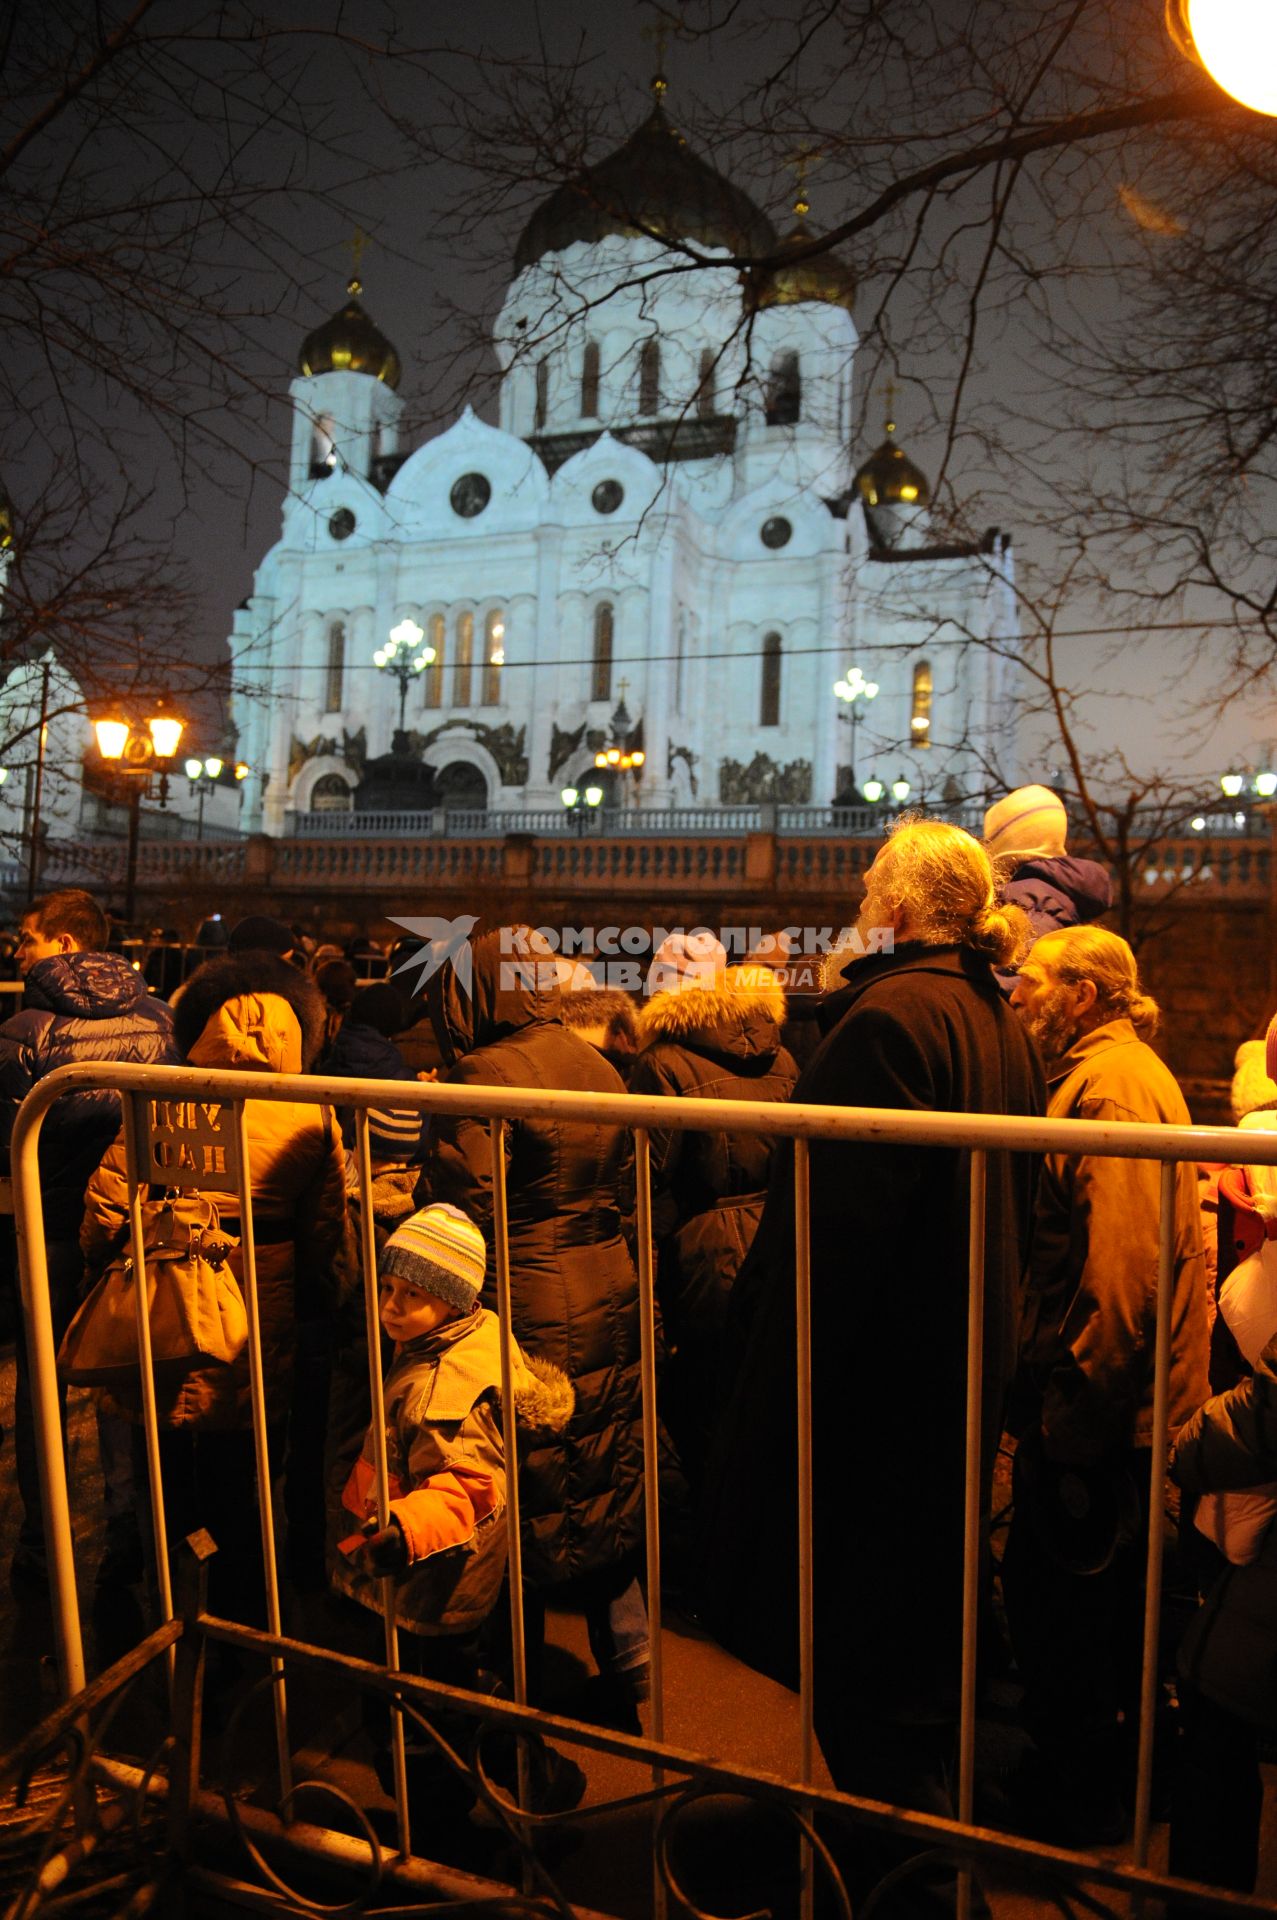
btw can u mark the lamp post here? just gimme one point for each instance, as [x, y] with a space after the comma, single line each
[618, 756]
[203, 776]
[851, 690]
[404, 657]
[580, 804]
[137, 754]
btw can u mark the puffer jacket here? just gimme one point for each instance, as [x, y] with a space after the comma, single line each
[304, 1251]
[359, 1052]
[573, 1284]
[76, 1007]
[720, 1042]
[446, 1462]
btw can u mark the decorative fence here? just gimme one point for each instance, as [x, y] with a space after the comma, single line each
[180, 1117]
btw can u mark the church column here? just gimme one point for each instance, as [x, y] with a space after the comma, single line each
[831, 632]
[287, 653]
[656, 679]
[538, 700]
[377, 712]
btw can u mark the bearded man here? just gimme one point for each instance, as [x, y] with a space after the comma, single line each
[1073, 1569]
[919, 1025]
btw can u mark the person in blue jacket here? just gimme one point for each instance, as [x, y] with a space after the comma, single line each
[79, 1003]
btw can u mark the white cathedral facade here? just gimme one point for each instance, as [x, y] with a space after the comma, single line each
[667, 520]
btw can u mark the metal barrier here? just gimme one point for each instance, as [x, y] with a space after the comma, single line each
[205, 1100]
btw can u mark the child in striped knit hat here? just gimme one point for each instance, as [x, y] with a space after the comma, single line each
[444, 1544]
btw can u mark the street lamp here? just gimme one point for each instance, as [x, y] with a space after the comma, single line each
[203, 776]
[618, 756]
[1232, 784]
[851, 690]
[137, 753]
[1234, 41]
[404, 656]
[580, 804]
[873, 790]
[900, 790]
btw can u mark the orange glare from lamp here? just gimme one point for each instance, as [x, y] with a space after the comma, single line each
[113, 736]
[1235, 41]
[165, 735]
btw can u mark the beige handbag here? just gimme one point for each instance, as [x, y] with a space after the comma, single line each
[196, 1310]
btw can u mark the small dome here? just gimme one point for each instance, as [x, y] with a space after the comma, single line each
[654, 183]
[350, 343]
[889, 477]
[823, 276]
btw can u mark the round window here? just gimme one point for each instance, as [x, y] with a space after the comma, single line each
[607, 496]
[470, 495]
[776, 532]
[342, 524]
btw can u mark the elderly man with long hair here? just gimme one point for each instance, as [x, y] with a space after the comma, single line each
[1073, 1569]
[919, 1025]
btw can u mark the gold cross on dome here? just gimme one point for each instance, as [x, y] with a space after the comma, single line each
[658, 32]
[355, 285]
[891, 406]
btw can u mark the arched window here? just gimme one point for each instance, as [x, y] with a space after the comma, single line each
[464, 656]
[650, 377]
[601, 679]
[336, 669]
[706, 396]
[920, 709]
[323, 454]
[769, 700]
[493, 657]
[590, 381]
[543, 394]
[784, 391]
[436, 629]
[330, 794]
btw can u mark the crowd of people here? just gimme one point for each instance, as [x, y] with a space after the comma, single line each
[976, 982]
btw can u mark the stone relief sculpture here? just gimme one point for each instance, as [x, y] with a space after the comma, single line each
[762, 779]
[564, 742]
[689, 760]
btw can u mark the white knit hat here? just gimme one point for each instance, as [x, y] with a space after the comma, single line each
[1030, 822]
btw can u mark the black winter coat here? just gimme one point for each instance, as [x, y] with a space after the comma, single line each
[573, 1285]
[360, 1052]
[77, 1006]
[720, 1043]
[921, 1029]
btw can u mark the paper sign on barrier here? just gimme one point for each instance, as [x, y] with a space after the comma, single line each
[187, 1143]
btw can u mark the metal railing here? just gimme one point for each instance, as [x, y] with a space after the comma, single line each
[216, 1100]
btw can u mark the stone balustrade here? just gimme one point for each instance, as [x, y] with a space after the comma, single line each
[774, 858]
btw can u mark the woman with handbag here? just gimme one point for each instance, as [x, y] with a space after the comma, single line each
[249, 1012]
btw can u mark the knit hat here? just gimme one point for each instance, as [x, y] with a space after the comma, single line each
[1030, 822]
[693, 959]
[439, 1250]
[1252, 1087]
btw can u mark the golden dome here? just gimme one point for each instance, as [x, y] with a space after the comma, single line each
[350, 343]
[890, 479]
[822, 276]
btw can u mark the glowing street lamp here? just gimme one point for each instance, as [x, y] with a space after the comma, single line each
[404, 657]
[580, 804]
[852, 689]
[138, 753]
[203, 776]
[873, 790]
[1265, 785]
[900, 790]
[1231, 784]
[1234, 41]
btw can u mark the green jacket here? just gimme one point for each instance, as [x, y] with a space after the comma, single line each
[1089, 1325]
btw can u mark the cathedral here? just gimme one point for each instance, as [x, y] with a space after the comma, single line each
[645, 581]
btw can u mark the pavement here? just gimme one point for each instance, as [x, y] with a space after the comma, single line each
[729, 1856]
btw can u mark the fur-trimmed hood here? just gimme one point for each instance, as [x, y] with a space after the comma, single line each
[737, 1018]
[239, 976]
[461, 1361]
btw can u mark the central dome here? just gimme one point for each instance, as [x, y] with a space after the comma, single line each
[653, 184]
